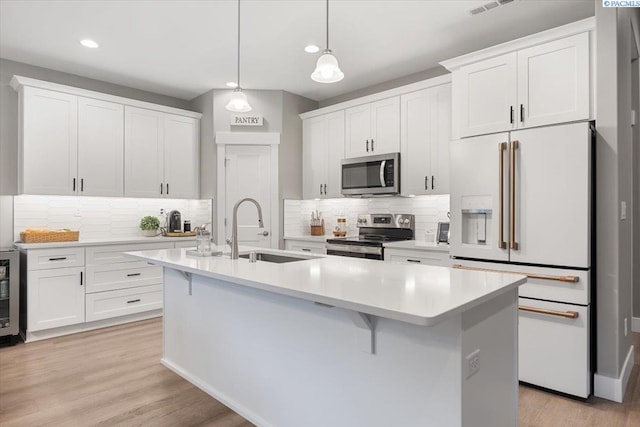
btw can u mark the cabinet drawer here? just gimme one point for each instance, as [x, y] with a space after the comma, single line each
[122, 276]
[416, 257]
[41, 259]
[100, 255]
[555, 284]
[104, 305]
[553, 351]
[311, 247]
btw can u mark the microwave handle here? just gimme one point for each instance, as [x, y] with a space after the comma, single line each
[382, 168]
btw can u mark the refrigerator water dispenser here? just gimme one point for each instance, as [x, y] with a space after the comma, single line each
[476, 219]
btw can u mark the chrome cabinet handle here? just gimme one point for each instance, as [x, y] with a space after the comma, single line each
[566, 314]
[512, 202]
[501, 243]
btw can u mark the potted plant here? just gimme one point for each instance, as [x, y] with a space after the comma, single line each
[149, 226]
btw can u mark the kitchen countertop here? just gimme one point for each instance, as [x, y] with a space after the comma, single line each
[420, 245]
[420, 295]
[101, 242]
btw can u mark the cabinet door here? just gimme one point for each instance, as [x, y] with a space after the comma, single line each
[49, 152]
[358, 131]
[385, 126]
[440, 140]
[553, 82]
[143, 153]
[55, 298]
[314, 157]
[485, 96]
[181, 157]
[415, 157]
[335, 151]
[100, 148]
[552, 195]
[425, 137]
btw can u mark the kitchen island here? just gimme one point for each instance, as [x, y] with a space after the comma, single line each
[335, 341]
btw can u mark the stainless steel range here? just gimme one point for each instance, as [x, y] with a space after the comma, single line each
[373, 231]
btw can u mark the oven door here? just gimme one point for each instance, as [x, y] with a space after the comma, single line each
[356, 251]
[371, 175]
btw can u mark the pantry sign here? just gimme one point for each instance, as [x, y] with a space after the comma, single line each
[237, 120]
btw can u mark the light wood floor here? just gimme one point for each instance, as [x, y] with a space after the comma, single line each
[113, 377]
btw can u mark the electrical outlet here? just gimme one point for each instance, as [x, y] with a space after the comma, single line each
[473, 363]
[623, 210]
[77, 213]
[626, 327]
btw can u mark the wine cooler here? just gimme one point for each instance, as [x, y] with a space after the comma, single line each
[9, 297]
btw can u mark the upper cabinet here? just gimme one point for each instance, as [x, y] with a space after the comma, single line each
[161, 154]
[425, 137]
[373, 128]
[322, 151]
[538, 80]
[48, 154]
[78, 142]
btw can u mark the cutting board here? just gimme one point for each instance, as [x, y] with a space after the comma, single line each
[180, 234]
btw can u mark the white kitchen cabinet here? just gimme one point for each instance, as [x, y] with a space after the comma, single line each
[161, 154]
[48, 154]
[305, 246]
[100, 148]
[110, 304]
[486, 95]
[410, 256]
[373, 128]
[55, 297]
[323, 149]
[424, 140]
[553, 82]
[546, 83]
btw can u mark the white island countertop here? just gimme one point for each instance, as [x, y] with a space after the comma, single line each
[417, 294]
[105, 241]
[419, 245]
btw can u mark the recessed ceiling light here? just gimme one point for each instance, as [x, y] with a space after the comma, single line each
[232, 85]
[89, 43]
[312, 48]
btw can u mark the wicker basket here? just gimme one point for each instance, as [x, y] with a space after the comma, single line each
[49, 236]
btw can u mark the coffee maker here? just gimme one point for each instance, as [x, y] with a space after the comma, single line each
[175, 222]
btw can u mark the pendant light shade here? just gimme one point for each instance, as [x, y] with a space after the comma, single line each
[238, 102]
[327, 68]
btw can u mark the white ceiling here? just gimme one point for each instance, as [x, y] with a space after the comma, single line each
[185, 48]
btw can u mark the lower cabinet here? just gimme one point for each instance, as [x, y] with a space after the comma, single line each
[413, 256]
[55, 298]
[70, 286]
[105, 305]
[303, 246]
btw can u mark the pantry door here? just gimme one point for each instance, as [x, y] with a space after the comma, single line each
[248, 174]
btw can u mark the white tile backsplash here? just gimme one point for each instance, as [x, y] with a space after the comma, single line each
[429, 210]
[100, 217]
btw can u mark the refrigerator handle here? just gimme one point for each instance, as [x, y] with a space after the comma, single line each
[512, 197]
[501, 243]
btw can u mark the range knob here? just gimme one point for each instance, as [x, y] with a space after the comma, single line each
[406, 221]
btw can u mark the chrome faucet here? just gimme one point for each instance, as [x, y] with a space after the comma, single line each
[233, 242]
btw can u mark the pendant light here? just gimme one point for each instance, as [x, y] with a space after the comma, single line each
[327, 69]
[238, 102]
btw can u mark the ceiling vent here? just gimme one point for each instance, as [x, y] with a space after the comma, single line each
[489, 6]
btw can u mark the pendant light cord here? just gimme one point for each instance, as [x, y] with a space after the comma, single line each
[238, 44]
[327, 24]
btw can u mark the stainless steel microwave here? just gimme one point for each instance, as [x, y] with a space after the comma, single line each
[371, 175]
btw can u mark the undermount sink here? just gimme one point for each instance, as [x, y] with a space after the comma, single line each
[279, 259]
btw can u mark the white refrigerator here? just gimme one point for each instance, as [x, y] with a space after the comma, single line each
[522, 202]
